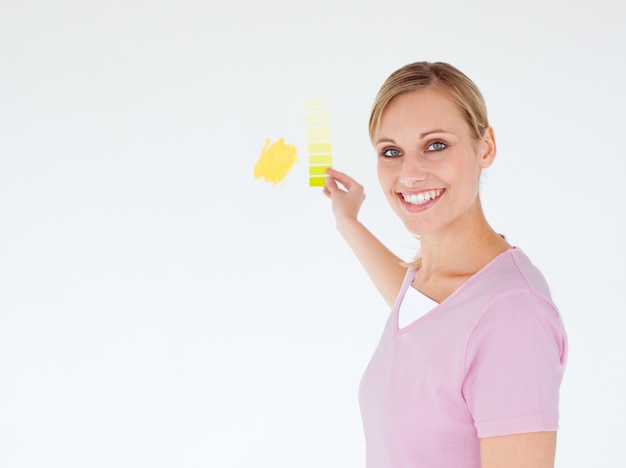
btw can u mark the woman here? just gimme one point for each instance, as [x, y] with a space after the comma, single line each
[468, 369]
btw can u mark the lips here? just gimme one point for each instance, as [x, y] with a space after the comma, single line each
[421, 198]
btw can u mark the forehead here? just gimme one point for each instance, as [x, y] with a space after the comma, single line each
[424, 108]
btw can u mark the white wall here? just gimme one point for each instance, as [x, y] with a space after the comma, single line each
[161, 307]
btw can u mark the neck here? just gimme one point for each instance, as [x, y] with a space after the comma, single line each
[461, 249]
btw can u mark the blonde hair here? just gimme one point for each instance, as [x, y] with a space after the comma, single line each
[421, 75]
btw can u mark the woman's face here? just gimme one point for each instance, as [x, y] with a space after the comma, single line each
[428, 163]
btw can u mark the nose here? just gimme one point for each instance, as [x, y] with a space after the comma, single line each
[413, 172]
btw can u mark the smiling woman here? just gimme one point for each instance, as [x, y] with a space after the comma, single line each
[425, 147]
[468, 369]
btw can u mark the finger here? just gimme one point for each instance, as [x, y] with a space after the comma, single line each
[331, 185]
[335, 173]
[343, 178]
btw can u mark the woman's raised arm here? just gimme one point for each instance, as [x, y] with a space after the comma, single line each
[382, 265]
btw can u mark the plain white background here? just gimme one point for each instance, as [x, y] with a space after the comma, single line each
[160, 307]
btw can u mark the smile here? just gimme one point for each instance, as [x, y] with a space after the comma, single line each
[422, 197]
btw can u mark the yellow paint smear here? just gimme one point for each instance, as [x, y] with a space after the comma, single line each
[276, 161]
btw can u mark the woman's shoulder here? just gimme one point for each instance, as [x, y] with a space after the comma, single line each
[512, 271]
[516, 302]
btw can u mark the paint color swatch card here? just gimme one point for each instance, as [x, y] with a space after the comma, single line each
[318, 140]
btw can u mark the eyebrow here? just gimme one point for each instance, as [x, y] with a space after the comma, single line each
[421, 135]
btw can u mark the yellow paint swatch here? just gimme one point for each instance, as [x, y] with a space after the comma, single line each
[318, 140]
[276, 161]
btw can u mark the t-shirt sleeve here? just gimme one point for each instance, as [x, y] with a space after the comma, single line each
[514, 365]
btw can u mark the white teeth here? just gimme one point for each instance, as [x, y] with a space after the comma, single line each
[422, 197]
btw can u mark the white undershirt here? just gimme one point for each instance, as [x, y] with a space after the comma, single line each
[413, 306]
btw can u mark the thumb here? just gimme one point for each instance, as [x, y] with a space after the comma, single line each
[331, 185]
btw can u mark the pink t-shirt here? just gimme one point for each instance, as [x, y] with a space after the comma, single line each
[487, 361]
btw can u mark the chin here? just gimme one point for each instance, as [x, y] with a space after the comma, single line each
[418, 231]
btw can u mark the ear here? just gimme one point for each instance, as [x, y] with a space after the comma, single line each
[487, 148]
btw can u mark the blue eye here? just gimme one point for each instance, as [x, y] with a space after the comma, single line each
[391, 153]
[437, 146]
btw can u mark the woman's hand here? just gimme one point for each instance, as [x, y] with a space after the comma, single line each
[347, 198]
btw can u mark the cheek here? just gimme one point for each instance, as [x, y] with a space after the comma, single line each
[383, 175]
[388, 170]
[466, 175]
